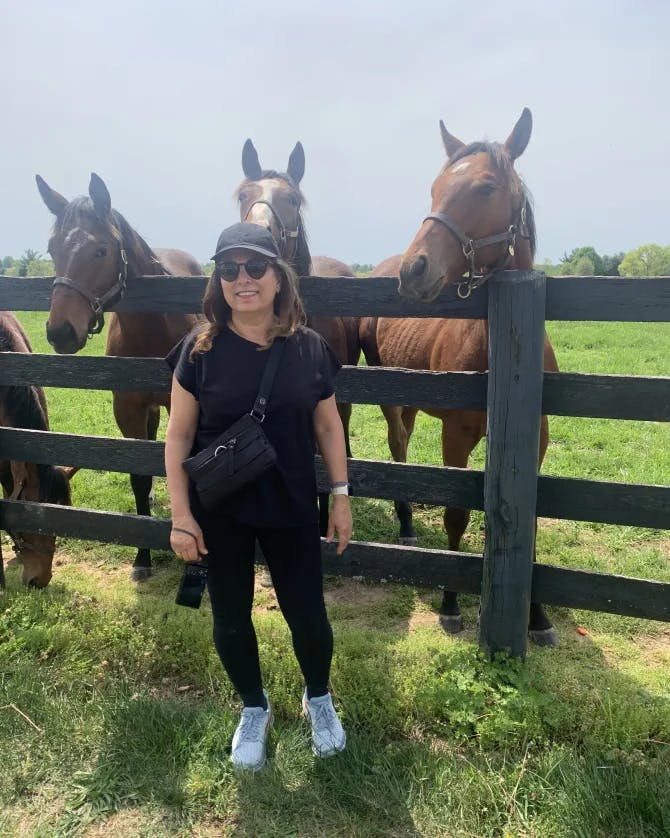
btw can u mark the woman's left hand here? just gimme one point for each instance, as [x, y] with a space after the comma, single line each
[340, 521]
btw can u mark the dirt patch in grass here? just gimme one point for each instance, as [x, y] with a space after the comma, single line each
[126, 822]
[655, 648]
[350, 591]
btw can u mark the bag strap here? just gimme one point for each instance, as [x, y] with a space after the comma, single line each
[271, 367]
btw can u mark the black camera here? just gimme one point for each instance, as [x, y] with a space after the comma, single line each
[192, 585]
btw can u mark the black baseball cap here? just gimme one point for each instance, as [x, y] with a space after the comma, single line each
[247, 236]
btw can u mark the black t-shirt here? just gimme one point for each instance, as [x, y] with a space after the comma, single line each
[225, 382]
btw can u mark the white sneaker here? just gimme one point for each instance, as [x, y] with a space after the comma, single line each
[328, 736]
[250, 738]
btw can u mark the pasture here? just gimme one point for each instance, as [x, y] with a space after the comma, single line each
[115, 715]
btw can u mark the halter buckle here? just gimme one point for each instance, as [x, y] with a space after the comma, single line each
[468, 290]
[512, 239]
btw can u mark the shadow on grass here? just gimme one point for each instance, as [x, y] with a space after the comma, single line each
[439, 741]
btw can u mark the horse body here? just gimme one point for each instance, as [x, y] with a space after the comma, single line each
[477, 192]
[26, 407]
[274, 200]
[95, 251]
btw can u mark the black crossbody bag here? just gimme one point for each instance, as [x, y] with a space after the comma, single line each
[242, 452]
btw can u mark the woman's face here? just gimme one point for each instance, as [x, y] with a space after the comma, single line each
[246, 294]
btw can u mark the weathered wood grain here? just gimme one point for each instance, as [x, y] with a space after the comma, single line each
[516, 350]
[625, 299]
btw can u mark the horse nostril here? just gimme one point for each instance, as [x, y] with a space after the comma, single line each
[418, 267]
[63, 338]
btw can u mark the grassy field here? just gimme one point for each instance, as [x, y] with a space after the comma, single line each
[115, 716]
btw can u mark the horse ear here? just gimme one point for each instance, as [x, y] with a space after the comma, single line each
[100, 196]
[296, 164]
[451, 144]
[54, 200]
[250, 163]
[516, 143]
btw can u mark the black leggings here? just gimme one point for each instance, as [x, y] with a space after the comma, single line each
[293, 556]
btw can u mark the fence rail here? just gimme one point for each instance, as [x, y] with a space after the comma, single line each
[564, 394]
[567, 498]
[625, 299]
[457, 571]
[510, 491]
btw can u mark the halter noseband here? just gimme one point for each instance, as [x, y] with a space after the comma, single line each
[284, 234]
[98, 304]
[470, 247]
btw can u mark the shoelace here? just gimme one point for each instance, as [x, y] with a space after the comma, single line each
[324, 716]
[253, 725]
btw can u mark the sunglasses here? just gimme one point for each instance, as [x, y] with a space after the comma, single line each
[255, 268]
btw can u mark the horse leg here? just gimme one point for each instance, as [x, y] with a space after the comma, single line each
[540, 629]
[345, 415]
[133, 418]
[398, 440]
[153, 422]
[458, 440]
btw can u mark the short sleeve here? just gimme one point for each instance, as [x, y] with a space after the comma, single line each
[329, 368]
[185, 370]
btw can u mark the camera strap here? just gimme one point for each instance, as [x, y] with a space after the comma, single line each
[271, 367]
[186, 532]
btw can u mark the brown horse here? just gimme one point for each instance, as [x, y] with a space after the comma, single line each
[96, 252]
[25, 407]
[274, 200]
[481, 220]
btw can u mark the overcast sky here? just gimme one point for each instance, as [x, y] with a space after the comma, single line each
[158, 98]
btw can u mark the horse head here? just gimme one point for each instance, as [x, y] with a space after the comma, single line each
[274, 200]
[90, 262]
[480, 218]
[39, 484]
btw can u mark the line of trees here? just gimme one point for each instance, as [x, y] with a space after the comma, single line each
[646, 260]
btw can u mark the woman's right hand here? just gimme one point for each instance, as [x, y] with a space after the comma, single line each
[186, 539]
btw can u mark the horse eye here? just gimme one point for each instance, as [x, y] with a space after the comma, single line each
[243, 197]
[100, 252]
[487, 188]
[293, 201]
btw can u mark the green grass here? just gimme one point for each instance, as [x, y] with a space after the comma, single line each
[115, 716]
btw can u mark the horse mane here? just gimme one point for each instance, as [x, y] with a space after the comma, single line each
[141, 258]
[301, 262]
[23, 409]
[504, 163]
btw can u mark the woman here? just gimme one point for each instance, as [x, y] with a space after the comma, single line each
[250, 300]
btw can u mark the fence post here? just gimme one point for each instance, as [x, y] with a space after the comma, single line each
[516, 362]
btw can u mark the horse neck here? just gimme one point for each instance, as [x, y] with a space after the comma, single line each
[141, 258]
[523, 256]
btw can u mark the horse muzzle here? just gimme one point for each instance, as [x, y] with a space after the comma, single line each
[417, 282]
[64, 338]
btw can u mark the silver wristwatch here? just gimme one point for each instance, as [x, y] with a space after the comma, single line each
[339, 489]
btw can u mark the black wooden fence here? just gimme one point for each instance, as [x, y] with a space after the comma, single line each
[509, 490]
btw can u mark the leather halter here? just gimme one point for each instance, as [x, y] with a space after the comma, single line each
[284, 234]
[99, 304]
[470, 247]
